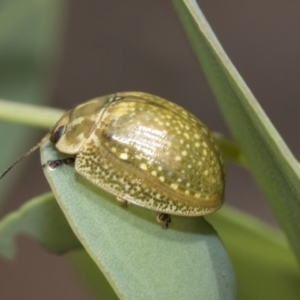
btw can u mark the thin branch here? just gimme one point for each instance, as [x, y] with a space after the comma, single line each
[28, 114]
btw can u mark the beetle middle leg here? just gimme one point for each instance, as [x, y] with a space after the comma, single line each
[164, 219]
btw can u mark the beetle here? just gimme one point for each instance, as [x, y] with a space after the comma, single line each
[144, 150]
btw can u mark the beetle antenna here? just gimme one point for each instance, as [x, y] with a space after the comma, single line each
[25, 155]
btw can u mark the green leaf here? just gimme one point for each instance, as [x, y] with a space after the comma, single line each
[251, 245]
[92, 276]
[264, 264]
[267, 156]
[30, 33]
[139, 258]
[42, 219]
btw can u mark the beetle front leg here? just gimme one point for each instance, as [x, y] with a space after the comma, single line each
[53, 164]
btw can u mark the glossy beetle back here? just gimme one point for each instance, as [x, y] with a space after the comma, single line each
[148, 151]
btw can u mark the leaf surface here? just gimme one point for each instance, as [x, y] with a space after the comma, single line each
[262, 259]
[42, 219]
[140, 259]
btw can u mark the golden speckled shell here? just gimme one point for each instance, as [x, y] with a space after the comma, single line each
[147, 151]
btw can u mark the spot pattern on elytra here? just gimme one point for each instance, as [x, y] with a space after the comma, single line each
[152, 152]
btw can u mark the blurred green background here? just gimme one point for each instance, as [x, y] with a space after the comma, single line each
[111, 46]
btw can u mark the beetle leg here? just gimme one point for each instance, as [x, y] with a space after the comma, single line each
[53, 164]
[122, 201]
[164, 219]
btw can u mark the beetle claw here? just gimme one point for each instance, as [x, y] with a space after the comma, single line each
[164, 219]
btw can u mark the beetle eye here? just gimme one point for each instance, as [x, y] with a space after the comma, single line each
[56, 135]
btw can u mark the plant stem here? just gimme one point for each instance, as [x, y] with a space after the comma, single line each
[30, 115]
